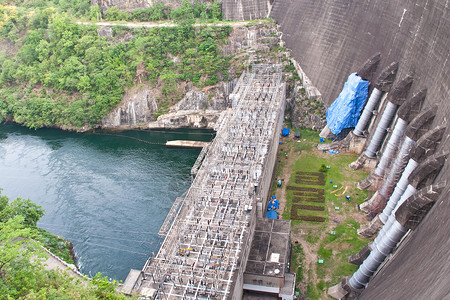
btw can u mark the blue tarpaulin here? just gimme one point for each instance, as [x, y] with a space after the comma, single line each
[274, 204]
[285, 132]
[271, 214]
[346, 109]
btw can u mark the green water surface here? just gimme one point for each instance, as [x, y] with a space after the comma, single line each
[106, 192]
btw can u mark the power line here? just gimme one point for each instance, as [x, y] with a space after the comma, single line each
[110, 238]
[175, 132]
[111, 230]
[109, 247]
[110, 173]
[129, 137]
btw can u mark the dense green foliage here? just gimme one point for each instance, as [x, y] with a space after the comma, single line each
[59, 73]
[77, 8]
[158, 12]
[22, 275]
[56, 244]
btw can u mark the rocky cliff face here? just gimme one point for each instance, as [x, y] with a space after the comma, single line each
[306, 112]
[136, 108]
[239, 10]
[235, 10]
[130, 4]
[198, 108]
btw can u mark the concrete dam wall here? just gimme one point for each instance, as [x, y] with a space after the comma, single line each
[331, 39]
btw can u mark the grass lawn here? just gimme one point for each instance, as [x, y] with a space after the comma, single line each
[334, 239]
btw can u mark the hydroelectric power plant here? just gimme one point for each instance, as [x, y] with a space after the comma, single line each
[206, 248]
[381, 69]
[402, 134]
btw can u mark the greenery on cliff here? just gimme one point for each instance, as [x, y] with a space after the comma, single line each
[187, 11]
[22, 274]
[55, 72]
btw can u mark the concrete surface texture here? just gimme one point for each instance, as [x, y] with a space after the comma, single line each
[238, 10]
[330, 39]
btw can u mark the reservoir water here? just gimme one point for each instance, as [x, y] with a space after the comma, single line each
[108, 193]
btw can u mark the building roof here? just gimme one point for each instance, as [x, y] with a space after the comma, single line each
[270, 248]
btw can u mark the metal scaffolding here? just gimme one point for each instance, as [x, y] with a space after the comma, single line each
[207, 243]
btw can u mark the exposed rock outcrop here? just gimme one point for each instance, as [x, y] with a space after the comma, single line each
[131, 5]
[199, 108]
[187, 118]
[136, 109]
[307, 112]
[139, 106]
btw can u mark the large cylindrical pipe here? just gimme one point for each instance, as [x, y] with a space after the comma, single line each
[399, 190]
[399, 165]
[362, 276]
[391, 147]
[367, 113]
[381, 130]
[391, 219]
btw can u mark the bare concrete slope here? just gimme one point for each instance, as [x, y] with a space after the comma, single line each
[239, 10]
[331, 38]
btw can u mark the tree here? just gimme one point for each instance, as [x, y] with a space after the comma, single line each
[114, 14]
[16, 245]
[29, 211]
[104, 288]
[8, 70]
[95, 13]
[170, 80]
[216, 11]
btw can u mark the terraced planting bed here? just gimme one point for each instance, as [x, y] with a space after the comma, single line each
[324, 222]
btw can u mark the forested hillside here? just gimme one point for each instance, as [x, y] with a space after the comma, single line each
[56, 72]
[22, 272]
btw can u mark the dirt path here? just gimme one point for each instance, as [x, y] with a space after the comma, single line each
[169, 24]
[309, 259]
[308, 263]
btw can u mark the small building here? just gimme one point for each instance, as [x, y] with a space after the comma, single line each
[297, 134]
[268, 262]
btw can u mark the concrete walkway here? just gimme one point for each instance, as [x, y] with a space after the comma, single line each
[53, 262]
[170, 24]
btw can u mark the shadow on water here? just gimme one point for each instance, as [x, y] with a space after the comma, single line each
[107, 192]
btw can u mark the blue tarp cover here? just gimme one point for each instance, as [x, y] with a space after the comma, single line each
[273, 204]
[271, 214]
[346, 109]
[285, 132]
